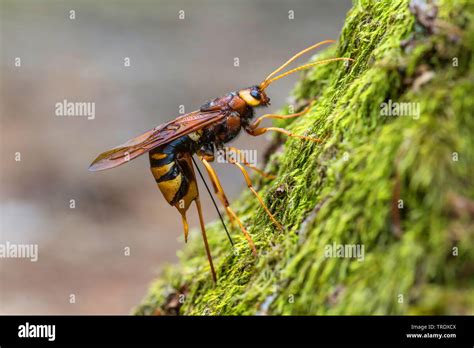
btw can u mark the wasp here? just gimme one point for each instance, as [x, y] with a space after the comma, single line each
[171, 147]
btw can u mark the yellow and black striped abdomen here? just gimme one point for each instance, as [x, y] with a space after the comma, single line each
[174, 176]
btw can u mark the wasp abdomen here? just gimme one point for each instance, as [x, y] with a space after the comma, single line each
[173, 175]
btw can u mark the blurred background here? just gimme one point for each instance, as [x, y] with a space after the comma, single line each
[173, 62]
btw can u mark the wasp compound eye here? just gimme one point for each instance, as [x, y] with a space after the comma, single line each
[256, 94]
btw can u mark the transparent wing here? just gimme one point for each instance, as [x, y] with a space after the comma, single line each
[157, 136]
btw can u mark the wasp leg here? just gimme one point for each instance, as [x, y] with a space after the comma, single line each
[204, 237]
[280, 117]
[185, 226]
[247, 164]
[250, 186]
[259, 131]
[218, 190]
[253, 129]
[206, 152]
[222, 197]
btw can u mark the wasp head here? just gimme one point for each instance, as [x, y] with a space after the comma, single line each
[254, 96]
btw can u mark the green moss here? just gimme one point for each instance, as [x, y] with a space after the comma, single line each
[347, 189]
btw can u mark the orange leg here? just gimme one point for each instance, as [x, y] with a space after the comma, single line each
[255, 131]
[246, 163]
[250, 186]
[280, 117]
[204, 237]
[205, 159]
[222, 197]
[259, 131]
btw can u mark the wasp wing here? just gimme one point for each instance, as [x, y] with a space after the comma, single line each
[155, 137]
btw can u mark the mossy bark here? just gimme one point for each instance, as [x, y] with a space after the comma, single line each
[399, 186]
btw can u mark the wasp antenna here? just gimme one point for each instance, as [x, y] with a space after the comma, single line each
[292, 59]
[265, 83]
